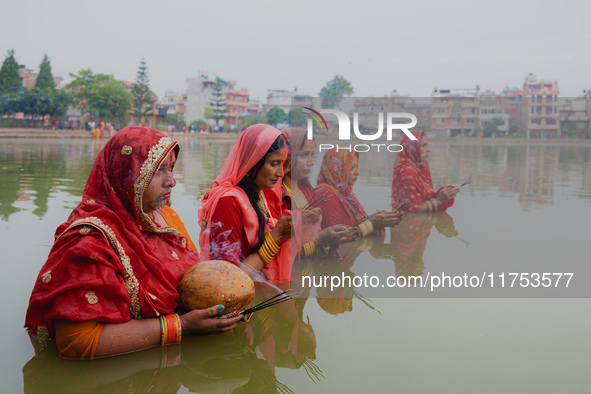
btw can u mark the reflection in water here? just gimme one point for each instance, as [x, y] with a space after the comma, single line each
[41, 177]
[409, 240]
[32, 171]
[244, 360]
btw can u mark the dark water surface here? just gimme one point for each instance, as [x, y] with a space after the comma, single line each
[528, 208]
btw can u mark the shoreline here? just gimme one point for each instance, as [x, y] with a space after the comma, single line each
[34, 133]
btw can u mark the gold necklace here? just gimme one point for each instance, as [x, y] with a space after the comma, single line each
[298, 197]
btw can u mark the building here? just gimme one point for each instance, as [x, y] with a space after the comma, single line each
[455, 112]
[511, 101]
[280, 98]
[368, 111]
[173, 103]
[29, 78]
[574, 116]
[539, 108]
[494, 117]
[238, 105]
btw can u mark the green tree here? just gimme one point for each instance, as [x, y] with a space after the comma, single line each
[297, 118]
[492, 128]
[208, 113]
[276, 115]
[45, 77]
[142, 96]
[198, 122]
[334, 91]
[10, 82]
[172, 119]
[254, 120]
[100, 96]
[10, 103]
[218, 102]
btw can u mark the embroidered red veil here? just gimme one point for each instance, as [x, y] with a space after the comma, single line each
[109, 261]
[412, 177]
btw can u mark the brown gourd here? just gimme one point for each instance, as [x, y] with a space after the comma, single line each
[216, 282]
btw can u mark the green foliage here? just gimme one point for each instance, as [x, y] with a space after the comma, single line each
[36, 103]
[276, 115]
[254, 120]
[172, 119]
[208, 113]
[334, 91]
[10, 103]
[143, 102]
[218, 102]
[492, 128]
[100, 96]
[297, 118]
[10, 82]
[198, 122]
[45, 77]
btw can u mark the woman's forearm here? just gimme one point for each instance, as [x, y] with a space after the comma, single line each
[128, 337]
[254, 261]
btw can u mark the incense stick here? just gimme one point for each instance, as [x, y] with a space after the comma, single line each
[401, 205]
[269, 301]
[465, 182]
[253, 309]
[365, 219]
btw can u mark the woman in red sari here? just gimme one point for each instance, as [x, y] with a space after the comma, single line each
[412, 179]
[241, 217]
[337, 176]
[296, 191]
[109, 285]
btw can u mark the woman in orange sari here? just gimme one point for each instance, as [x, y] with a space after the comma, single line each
[412, 179]
[109, 285]
[241, 217]
[338, 174]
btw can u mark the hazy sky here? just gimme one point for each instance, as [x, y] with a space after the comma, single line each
[413, 47]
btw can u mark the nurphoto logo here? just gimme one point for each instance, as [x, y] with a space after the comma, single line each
[345, 129]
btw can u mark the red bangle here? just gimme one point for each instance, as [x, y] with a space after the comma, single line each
[172, 329]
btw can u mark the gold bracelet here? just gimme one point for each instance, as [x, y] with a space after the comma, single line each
[435, 204]
[271, 242]
[309, 248]
[264, 255]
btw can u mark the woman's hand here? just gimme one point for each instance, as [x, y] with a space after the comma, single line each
[282, 229]
[446, 194]
[386, 219]
[334, 235]
[204, 322]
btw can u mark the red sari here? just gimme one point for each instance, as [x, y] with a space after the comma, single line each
[412, 177]
[305, 223]
[110, 262]
[343, 206]
[296, 138]
[229, 224]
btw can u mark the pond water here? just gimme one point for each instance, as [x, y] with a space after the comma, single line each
[528, 209]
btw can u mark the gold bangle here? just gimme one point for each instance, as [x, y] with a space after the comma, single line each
[309, 248]
[271, 242]
[263, 256]
[435, 204]
[265, 253]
